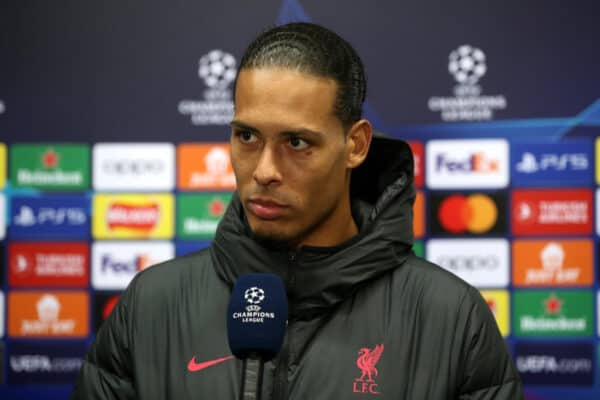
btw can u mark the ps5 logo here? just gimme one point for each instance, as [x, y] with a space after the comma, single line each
[529, 163]
[50, 215]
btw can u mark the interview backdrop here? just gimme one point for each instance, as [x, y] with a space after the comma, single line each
[114, 157]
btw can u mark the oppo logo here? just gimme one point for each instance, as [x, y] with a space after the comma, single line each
[133, 167]
[472, 263]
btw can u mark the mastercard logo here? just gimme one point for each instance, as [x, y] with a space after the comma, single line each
[475, 213]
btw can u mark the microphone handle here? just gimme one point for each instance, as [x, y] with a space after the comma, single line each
[252, 377]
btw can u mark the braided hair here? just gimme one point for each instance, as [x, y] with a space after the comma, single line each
[315, 50]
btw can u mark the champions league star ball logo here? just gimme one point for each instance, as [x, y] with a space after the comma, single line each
[467, 64]
[254, 296]
[253, 314]
[217, 68]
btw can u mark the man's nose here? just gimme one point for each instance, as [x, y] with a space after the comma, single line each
[266, 171]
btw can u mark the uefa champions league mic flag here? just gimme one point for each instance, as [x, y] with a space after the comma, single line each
[257, 316]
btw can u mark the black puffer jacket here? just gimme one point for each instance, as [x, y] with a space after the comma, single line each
[368, 319]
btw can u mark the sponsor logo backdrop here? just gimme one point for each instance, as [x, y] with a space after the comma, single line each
[506, 163]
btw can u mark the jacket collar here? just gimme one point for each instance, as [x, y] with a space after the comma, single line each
[318, 278]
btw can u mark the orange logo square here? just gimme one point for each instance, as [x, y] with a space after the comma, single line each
[419, 215]
[48, 314]
[204, 166]
[552, 262]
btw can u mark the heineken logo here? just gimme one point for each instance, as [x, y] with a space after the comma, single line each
[217, 208]
[200, 214]
[50, 159]
[562, 313]
[553, 305]
[56, 167]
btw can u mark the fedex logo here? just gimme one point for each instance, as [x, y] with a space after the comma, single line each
[467, 164]
[566, 163]
[132, 265]
[478, 162]
[50, 217]
[114, 264]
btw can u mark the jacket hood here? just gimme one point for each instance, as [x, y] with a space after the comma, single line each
[318, 278]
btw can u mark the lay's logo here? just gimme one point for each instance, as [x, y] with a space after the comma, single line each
[141, 218]
[133, 216]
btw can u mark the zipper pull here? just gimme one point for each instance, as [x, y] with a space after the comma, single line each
[292, 257]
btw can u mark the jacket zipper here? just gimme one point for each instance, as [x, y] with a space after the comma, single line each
[281, 371]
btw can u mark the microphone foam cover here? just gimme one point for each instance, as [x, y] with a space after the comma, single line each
[257, 316]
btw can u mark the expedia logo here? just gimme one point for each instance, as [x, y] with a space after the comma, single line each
[128, 216]
[475, 213]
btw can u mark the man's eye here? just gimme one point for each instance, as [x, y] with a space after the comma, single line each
[297, 143]
[246, 136]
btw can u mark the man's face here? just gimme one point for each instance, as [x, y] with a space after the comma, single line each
[290, 156]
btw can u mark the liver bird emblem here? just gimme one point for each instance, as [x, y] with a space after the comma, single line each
[366, 362]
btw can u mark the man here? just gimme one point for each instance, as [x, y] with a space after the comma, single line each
[329, 209]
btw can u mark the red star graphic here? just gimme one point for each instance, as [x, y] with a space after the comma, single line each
[50, 159]
[553, 304]
[216, 208]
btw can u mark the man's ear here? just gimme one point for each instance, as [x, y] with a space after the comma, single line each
[358, 142]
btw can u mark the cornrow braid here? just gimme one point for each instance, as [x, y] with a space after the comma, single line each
[313, 49]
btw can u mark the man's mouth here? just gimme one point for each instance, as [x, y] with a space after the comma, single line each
[266, 208]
